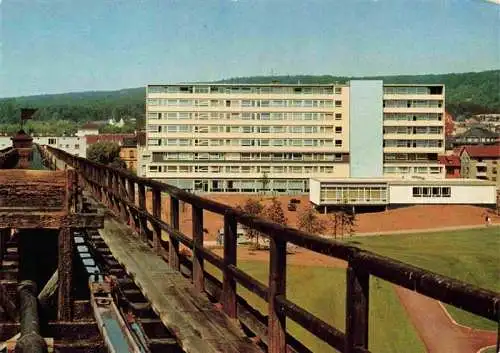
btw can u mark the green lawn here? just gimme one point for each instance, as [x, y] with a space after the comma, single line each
[470, 255]
[321, 291]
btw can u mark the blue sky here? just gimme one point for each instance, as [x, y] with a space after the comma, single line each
[53, 46]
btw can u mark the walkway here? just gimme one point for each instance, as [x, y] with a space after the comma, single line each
[197, 324]
[435, 328]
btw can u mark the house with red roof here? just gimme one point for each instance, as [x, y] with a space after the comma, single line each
[451, 164]
[480, 162]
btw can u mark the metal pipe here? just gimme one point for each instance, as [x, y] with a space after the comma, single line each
[30, 340]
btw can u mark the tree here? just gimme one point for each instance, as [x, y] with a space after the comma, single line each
[310, 222]
[254, 208]
[274, 212]
[107, 153]
[264, 180]
[341, 222]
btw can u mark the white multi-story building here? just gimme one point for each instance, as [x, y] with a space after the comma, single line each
[72, 144]
[249, 138]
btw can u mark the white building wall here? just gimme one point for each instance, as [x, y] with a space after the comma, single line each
[314, 191]
[460, 194]
[5, 142]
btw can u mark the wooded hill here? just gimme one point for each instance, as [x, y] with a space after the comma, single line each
[466, 93]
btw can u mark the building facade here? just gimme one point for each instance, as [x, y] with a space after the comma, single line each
[72, 144]
[385, 192]
[481, 162]
[252, 138]
[128, 153]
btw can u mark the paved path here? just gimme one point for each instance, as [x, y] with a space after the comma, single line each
[438, 333]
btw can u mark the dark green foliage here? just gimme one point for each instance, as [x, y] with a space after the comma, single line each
[466, 93]
[107, 153]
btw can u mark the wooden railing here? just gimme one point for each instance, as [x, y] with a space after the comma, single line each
[8, 157]
[118, 189]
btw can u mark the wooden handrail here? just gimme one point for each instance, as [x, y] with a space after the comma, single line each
[117, 189]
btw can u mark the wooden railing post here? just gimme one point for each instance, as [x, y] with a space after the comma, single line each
[228, 282]
[109, 185]
[131, 198]
[277, 287]
[198, 276]
[142, 206]
[173, 250]
[65, 270]
[122, 182]
[357, 295]
[156, 227]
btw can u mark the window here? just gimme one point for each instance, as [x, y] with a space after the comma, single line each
[338, 90]
[338, 104]
[338, 116]
[52, 141]
[338, 129]
[77, 146]
[338, 143]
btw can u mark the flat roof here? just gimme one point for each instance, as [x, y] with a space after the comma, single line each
[277, 84]
[253, 84]
[389, 181]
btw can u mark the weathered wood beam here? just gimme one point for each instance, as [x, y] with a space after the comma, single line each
[54, 220]
[8, 304]
[65, 273]
[48, 291]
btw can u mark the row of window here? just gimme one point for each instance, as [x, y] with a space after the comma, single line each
[243, 116]
[410, 156]
[414, 170]
[246, 129]
[247, 142]
[431, 192]
[246, 103]
[328, 169]
[413, 117]
[416, 130]
[413, 143]
[396, 103]
[218, 156]
[354, 194]
[245, 89]
[413, 90]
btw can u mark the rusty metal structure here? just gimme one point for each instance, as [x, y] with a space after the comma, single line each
[124, 195]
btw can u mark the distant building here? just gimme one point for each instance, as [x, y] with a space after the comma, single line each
[451, 164]
[247, 137]
[128, 153]
[88, 129]
[117, 138]
[72, 144]
[476, 135]
[480, 162]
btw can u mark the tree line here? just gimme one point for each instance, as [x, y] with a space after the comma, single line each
[466, 94]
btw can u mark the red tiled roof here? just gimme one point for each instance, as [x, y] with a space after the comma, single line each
[491, 151]
[449, 161]
[91, 139]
